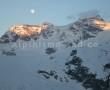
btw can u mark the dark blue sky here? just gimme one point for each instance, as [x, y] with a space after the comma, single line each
[54, 11]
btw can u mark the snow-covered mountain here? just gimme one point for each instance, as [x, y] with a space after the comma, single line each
[47, 57]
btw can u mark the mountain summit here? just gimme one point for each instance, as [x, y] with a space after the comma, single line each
[86, 27]
[27, 30]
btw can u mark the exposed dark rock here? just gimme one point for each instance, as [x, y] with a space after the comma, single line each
[107, 66]
[50, 50]
[9, 53]
[47, 33]
[86, 35]
[81, 74]
[74, 52]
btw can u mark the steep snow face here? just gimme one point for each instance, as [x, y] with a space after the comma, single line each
[44, 61]
[44, 67]
[96, 53]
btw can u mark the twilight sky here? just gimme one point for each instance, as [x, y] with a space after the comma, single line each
[54, 11]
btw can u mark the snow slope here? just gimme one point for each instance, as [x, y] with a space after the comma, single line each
[40, 64]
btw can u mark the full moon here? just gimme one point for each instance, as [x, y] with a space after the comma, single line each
[32, 11]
